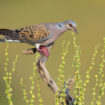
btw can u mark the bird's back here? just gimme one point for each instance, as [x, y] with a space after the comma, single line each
[34, 34]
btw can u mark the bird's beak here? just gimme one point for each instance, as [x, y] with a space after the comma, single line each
[75, 30]
[72, 28]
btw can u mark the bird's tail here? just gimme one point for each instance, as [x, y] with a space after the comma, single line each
[9, 34]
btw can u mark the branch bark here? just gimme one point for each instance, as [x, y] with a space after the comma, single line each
[44, 72]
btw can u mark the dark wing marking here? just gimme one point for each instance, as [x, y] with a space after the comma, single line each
[34, 34]
[9, 34]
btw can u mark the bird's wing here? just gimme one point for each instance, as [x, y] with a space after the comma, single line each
[34, 34]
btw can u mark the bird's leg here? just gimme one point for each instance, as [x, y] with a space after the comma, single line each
[42, 49]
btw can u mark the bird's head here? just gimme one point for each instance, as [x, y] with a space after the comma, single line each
[71, 25]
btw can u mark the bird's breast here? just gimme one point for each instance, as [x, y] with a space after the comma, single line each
[53, 38]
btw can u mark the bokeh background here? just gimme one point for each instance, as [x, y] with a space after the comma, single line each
[90, 18]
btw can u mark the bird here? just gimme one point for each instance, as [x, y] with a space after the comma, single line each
[39, 35]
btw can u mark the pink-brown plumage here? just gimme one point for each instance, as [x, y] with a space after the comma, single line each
[44, 34]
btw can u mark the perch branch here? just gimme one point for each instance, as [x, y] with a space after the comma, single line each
[46, 76]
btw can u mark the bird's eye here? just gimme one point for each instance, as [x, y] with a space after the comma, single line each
[59, 25]
[70, 25]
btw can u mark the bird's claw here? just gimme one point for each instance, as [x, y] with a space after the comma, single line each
[43, 50]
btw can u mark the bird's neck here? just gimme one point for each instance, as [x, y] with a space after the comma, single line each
[61, 31]
[58, 33]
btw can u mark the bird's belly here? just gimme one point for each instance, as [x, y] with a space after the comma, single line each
[51, 40]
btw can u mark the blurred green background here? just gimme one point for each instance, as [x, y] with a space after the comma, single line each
[90, 18]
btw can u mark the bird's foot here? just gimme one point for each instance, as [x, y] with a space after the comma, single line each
[44, 50]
